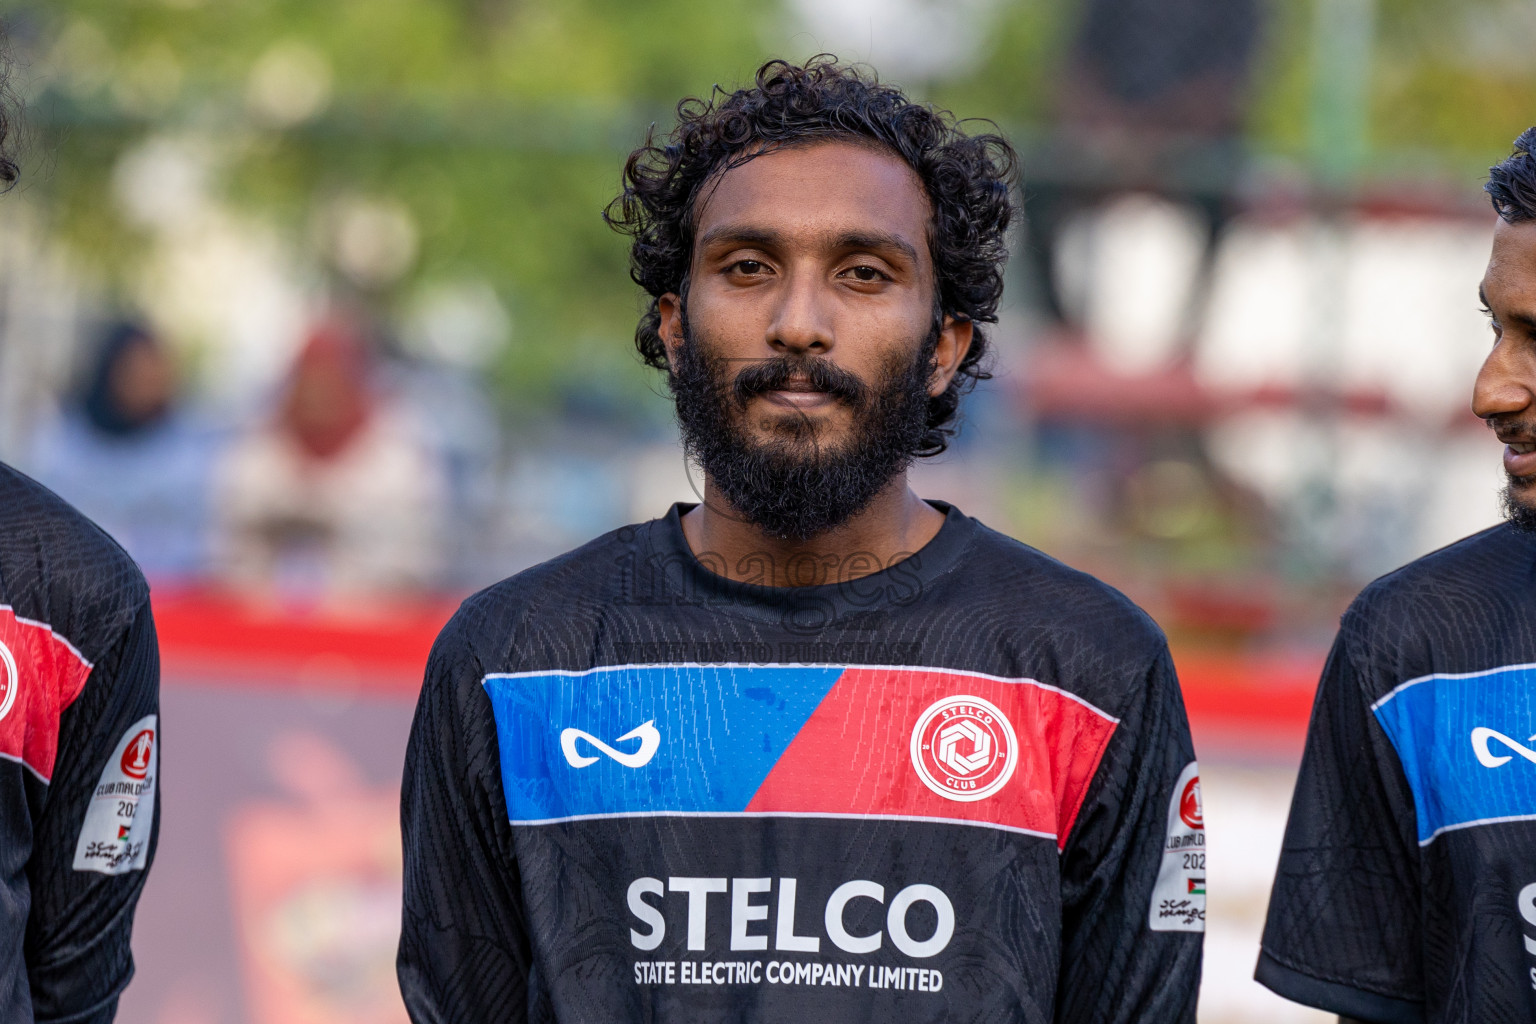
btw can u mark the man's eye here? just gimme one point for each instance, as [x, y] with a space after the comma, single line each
[866, 274]
[748, 267]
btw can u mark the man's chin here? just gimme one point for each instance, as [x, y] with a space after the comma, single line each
[1519, 500]
[770, 424]
[810, 438]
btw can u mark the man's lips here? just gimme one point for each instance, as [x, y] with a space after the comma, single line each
[801, 395]
[800, 399]
[1519, 456]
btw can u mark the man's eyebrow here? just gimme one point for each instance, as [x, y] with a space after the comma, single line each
[739, 234]
[876, 242]
[1525, 320]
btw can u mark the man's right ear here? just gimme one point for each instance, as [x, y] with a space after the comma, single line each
[669, 311]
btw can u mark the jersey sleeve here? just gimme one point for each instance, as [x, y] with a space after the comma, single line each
[1133, 871]
[95, 839]
[464, 953]
[1343, 927]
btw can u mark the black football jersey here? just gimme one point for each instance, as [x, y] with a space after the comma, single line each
[1407, 883]
[957, 789]
[79, 752]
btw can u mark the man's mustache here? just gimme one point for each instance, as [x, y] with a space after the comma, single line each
[780, 372]
[1511, 429]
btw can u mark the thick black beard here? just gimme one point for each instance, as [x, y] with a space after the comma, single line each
[791, 487]
[1517, 509]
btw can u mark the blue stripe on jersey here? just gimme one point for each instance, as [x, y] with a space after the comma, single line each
[1466, 743]
[718, 731]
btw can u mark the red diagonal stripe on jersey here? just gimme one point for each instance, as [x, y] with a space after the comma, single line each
[48, 675]
[854, 754]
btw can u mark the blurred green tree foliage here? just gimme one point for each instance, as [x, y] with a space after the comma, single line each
[499, 126]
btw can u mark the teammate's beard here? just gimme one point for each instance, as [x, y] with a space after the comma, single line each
[791, 486]
[1518, 509]
[1519, 494]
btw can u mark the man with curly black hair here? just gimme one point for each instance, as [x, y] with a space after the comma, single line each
[1406, 890]
[813, 748]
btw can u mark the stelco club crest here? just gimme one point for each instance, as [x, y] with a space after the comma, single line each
[964, 748]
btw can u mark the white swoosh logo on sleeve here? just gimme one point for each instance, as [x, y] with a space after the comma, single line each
[649, 737]
[1480, 737]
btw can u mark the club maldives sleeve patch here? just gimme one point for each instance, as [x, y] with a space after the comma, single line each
[1178, 898]
[118, 821]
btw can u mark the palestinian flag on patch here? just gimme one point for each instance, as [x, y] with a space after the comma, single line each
[122, 833]
[1197, 887]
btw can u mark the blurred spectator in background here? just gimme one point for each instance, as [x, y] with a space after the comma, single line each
[126, 453]
[335, 496]
[1153, 99]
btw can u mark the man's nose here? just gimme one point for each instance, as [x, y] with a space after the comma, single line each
[1504, 384]
[802, 323]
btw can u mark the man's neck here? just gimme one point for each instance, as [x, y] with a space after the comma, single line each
[895, 524]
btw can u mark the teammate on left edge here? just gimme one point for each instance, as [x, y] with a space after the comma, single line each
[79, 752]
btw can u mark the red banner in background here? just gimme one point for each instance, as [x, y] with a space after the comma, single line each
[1248, 706]
[1231, 698]
[220, 637]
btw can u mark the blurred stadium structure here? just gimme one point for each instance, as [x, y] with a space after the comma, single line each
[1233, 373]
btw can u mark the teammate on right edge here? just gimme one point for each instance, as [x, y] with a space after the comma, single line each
[1407, 883]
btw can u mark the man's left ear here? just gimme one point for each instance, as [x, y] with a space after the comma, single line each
[954, 342]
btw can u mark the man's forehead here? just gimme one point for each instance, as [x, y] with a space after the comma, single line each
[816, 192]
[1514, 253]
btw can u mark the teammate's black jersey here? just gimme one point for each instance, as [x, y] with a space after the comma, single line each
[959, 789]
[1407, 883]
[79, 745]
